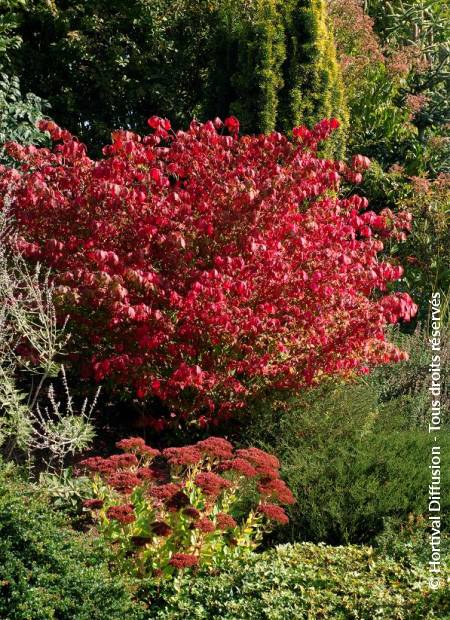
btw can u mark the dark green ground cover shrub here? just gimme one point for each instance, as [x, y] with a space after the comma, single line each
[306, 581]
[47, 571]
[403, 388]
[346, 469]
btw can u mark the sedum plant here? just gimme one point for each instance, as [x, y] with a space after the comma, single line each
[181, 508]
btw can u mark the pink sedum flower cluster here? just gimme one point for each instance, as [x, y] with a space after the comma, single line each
[194, 511]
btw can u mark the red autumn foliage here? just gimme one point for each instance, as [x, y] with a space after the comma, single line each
[200, 269]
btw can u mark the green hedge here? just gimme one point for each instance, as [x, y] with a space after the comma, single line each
[47, 572]
[309, 582]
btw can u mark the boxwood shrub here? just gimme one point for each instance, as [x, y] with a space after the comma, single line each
[47, 571]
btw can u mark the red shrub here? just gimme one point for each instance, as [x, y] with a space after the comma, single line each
[200, 269]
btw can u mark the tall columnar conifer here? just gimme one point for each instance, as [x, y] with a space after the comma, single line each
[246, 74]
[275, 66]
[312, 81]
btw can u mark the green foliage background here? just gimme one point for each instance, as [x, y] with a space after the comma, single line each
[355, 455]
[107, 64]
[18, 113]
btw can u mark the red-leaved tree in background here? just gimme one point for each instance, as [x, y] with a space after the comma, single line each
[200, 269]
